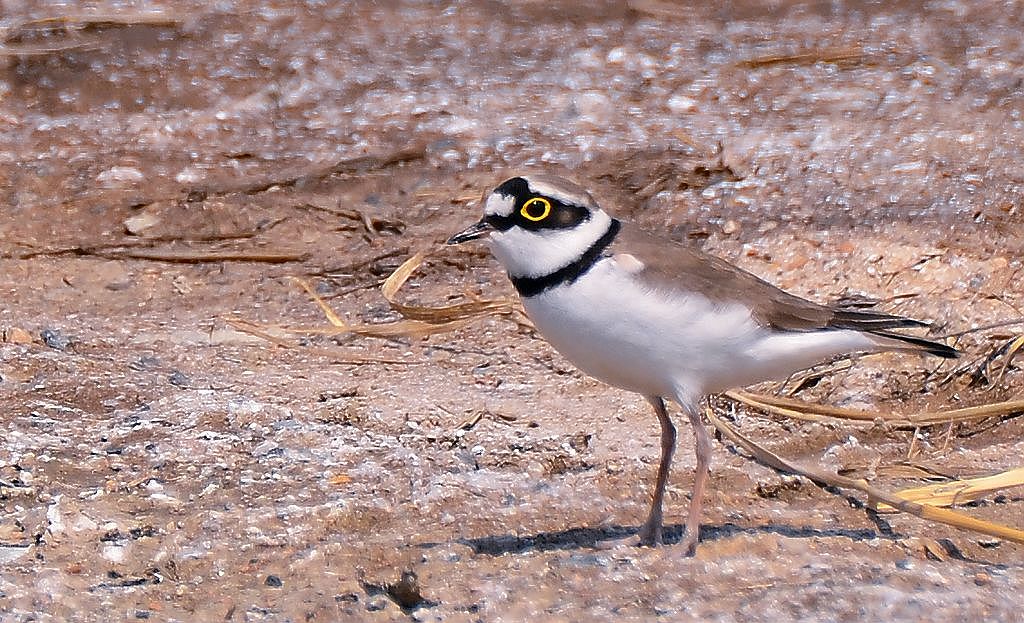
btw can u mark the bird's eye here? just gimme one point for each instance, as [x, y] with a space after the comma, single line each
[536, 209]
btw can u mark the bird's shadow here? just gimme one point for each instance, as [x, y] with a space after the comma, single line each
[594, 538]
[590, 538]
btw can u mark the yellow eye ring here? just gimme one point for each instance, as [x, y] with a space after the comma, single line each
[529, 209]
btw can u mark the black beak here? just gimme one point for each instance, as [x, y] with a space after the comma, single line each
[474, 231]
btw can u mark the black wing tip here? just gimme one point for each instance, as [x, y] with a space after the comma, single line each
[941, 350]
[928, 347]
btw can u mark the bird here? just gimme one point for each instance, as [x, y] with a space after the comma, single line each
[657, 317]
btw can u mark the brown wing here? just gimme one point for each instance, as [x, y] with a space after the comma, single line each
[669, 265]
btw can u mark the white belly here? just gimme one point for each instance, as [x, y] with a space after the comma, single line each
[670, 344]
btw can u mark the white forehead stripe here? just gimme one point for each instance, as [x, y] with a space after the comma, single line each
[499, 205]
[560, 192]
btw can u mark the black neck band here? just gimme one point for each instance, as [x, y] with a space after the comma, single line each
[532, 286]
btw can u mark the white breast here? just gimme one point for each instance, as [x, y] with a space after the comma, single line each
[662, 343]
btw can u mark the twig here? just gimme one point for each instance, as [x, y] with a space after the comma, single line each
[1011, 350]
[72, 26]
[344, 358]
[827, 55]
[994, 325]
[202, 257]
[361, 264]
[359, 164]
[143, 250]
[472, 421]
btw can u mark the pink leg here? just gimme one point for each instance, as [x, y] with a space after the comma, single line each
[650, 532]
[700, 478]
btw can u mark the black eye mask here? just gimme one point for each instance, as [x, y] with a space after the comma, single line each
[561, 215]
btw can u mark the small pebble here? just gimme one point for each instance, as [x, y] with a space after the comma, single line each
[113, 553]
[179, 379]
[14, 335]
[406, 591]
[118, 177]
[982, 579]
[681, 103]
[421, 614]
[265, 448]
[146, 362]
[139, 223]
[273, 580]
[55, 339]
[377, 602]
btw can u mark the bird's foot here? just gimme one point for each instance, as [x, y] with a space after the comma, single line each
[646, 536]
[689, 542]
[650, 535]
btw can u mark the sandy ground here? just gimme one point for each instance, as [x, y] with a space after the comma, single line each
[170, 168]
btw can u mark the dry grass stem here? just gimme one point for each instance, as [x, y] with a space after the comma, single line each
[797, 409]
[875, 495]
[960, 491]
[1012, 348]
[418, 321]
[438, 315]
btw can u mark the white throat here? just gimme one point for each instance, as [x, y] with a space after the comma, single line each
[526, 253]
